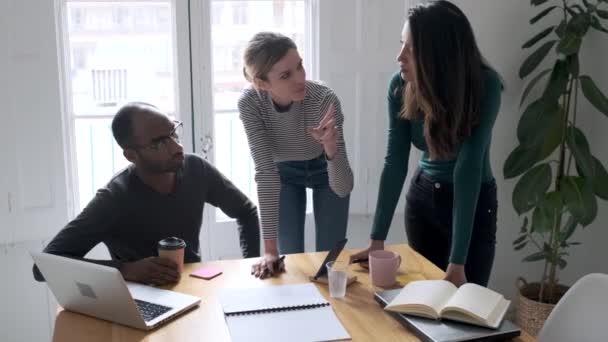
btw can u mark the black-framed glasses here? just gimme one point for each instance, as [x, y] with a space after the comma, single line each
[160, 143]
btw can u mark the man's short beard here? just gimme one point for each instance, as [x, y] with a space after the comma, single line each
[157, 168]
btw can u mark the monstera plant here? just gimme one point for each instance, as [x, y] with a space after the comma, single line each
[560, 179]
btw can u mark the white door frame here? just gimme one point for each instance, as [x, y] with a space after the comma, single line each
[202, 99]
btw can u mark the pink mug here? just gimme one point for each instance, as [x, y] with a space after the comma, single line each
[383, 266]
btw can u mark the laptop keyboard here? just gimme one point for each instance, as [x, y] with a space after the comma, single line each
[149, 310]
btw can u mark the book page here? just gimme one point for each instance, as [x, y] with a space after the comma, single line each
[433, 294]
[478, 301]
[462, 317]
[498, 314]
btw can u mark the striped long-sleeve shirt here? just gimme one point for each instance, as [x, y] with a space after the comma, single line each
[281, 136]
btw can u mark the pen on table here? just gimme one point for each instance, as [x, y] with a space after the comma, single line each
[280, 260]
[277, 263]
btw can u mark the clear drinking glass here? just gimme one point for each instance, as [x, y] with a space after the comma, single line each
[337, 274]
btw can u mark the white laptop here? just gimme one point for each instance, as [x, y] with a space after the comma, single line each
[100, 291]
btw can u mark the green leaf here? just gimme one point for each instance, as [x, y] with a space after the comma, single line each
[568, 229]
[546, 213]
[558, 82]
[561, 29]
[553, 134]
[579, 8]
[535, 59]
[535, 121]
[521, 159]
[531, 188]
[551, 207]
[536, 256]
[542, 14]
[538, 37]
[579, 199]
[570, 44]
[541, 223]
[520, 246]
[537, 2]
[579, 24]
[561, 263]
[571, 11]
[530, 85]
[602, 13]
[520, 239]
[595, 23]
[586, 3]
[600, 180]
[580, 148]
[552, 203]
[524, 226]
[593, 94]
[573, 65]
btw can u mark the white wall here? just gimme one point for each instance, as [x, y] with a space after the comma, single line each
[31, 117]
[32, 189]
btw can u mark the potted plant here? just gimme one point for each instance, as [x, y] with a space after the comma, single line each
[559, 178]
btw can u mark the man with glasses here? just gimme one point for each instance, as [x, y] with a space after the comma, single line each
[161, 194]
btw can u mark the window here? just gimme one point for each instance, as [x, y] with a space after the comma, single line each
[278, 11]
[118, 52]
[240, 15]
[121, 51]
[217, 12]
[76, 18]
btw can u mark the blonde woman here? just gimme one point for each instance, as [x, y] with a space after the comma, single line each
[294, 129]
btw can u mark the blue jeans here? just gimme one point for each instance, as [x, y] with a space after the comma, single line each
[330, 210]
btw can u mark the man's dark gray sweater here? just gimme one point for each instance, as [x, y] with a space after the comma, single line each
[130, 218]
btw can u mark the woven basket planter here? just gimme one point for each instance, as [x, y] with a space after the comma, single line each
[531, 314]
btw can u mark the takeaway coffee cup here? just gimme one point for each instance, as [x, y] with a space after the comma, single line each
[173, 248]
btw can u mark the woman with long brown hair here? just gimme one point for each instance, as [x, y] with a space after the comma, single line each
[444, 100]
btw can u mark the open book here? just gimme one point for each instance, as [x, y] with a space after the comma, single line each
[437, 299]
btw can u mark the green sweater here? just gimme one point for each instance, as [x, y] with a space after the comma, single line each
[466, 171]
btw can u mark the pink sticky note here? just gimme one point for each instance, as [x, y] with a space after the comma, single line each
[206, 272]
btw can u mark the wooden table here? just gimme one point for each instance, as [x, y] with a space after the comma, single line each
[360, 314]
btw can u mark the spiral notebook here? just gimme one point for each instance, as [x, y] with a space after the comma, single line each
[280, 313]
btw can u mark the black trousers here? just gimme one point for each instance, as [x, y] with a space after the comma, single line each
[428, 225]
